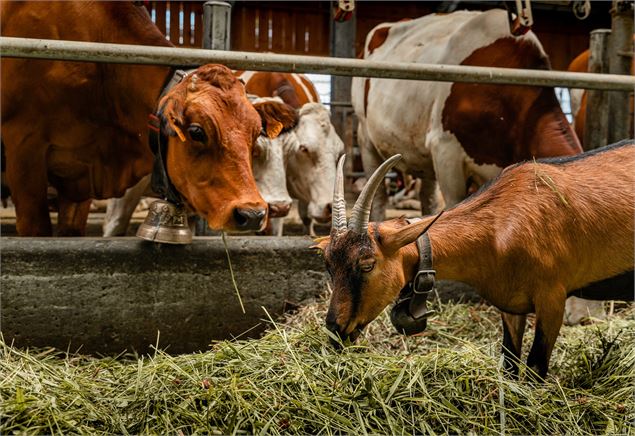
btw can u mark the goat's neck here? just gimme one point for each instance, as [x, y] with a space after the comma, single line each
[460, 248]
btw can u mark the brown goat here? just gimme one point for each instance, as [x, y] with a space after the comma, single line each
[540, 232]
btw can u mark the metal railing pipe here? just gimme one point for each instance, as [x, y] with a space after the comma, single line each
[136, 54]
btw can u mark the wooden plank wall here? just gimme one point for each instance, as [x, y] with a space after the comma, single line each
[281, 27]
[303, 27]
[167, 16]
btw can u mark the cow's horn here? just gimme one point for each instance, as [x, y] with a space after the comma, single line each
[339, 203]
[361, 210]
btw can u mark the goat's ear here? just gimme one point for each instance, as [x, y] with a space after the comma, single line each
[394, 239]
[321, 244]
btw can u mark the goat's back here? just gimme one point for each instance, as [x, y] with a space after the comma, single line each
[573, 217]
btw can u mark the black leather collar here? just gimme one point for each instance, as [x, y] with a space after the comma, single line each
[410, 312]
[424, 280]
[160, 181]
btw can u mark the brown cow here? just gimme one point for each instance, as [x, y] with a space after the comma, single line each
[82, 127]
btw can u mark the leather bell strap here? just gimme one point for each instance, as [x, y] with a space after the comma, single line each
[424, 280]
[160, 180]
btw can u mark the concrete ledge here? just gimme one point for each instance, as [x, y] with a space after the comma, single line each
[113, 294]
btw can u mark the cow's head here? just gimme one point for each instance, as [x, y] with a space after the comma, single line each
[277, 118]
[367, 263]
[312, 159]
[211, 129]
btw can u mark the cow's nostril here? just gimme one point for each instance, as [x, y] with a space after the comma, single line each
[249, 219]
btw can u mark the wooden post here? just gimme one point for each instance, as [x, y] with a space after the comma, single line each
[342, 38]
[620, 58]
[216, 25]
[596, 121]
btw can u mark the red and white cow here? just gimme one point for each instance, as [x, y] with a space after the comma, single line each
[311, 155]
[456, 133]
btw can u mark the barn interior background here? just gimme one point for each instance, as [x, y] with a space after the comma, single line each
[286, 381]
[309, 28]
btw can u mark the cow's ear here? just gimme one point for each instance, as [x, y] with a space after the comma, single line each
[277, 117]
[273, 129]
[171, 109]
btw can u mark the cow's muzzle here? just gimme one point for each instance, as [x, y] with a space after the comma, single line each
[249, 219]
[279, 209]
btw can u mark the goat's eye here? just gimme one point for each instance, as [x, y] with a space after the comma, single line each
[197, 133]
[366, 265]
[304, 149]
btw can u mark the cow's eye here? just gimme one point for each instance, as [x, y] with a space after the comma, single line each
[197, 133]
[366, 265]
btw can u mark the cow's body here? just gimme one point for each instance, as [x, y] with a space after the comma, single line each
[460, 133]
[294, 89]
[82, 127]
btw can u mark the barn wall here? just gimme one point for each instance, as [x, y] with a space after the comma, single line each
[303, 27]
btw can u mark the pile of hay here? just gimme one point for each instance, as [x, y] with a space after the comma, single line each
[447, 380]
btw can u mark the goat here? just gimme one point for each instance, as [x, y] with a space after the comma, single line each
[538, 233]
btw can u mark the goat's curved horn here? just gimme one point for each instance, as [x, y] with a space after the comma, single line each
[339, 204]
[361, 210]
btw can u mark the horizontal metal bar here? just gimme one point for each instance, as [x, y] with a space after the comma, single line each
[136, 54]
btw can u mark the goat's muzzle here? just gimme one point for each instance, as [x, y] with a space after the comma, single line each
[339, 338]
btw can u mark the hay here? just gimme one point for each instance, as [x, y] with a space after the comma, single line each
[291, 381]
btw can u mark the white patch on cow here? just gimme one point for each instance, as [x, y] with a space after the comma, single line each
[246, 76]
[120, 210]
[305, 89]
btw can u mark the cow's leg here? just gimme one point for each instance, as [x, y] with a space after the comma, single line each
[277, 226]
[513, 331]
[27, 178]
[579, 309]
[303, 211]
[448, 159]
[549, 311]
[120, 210]
[371, 160]
[72, 217]
[427, 192]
